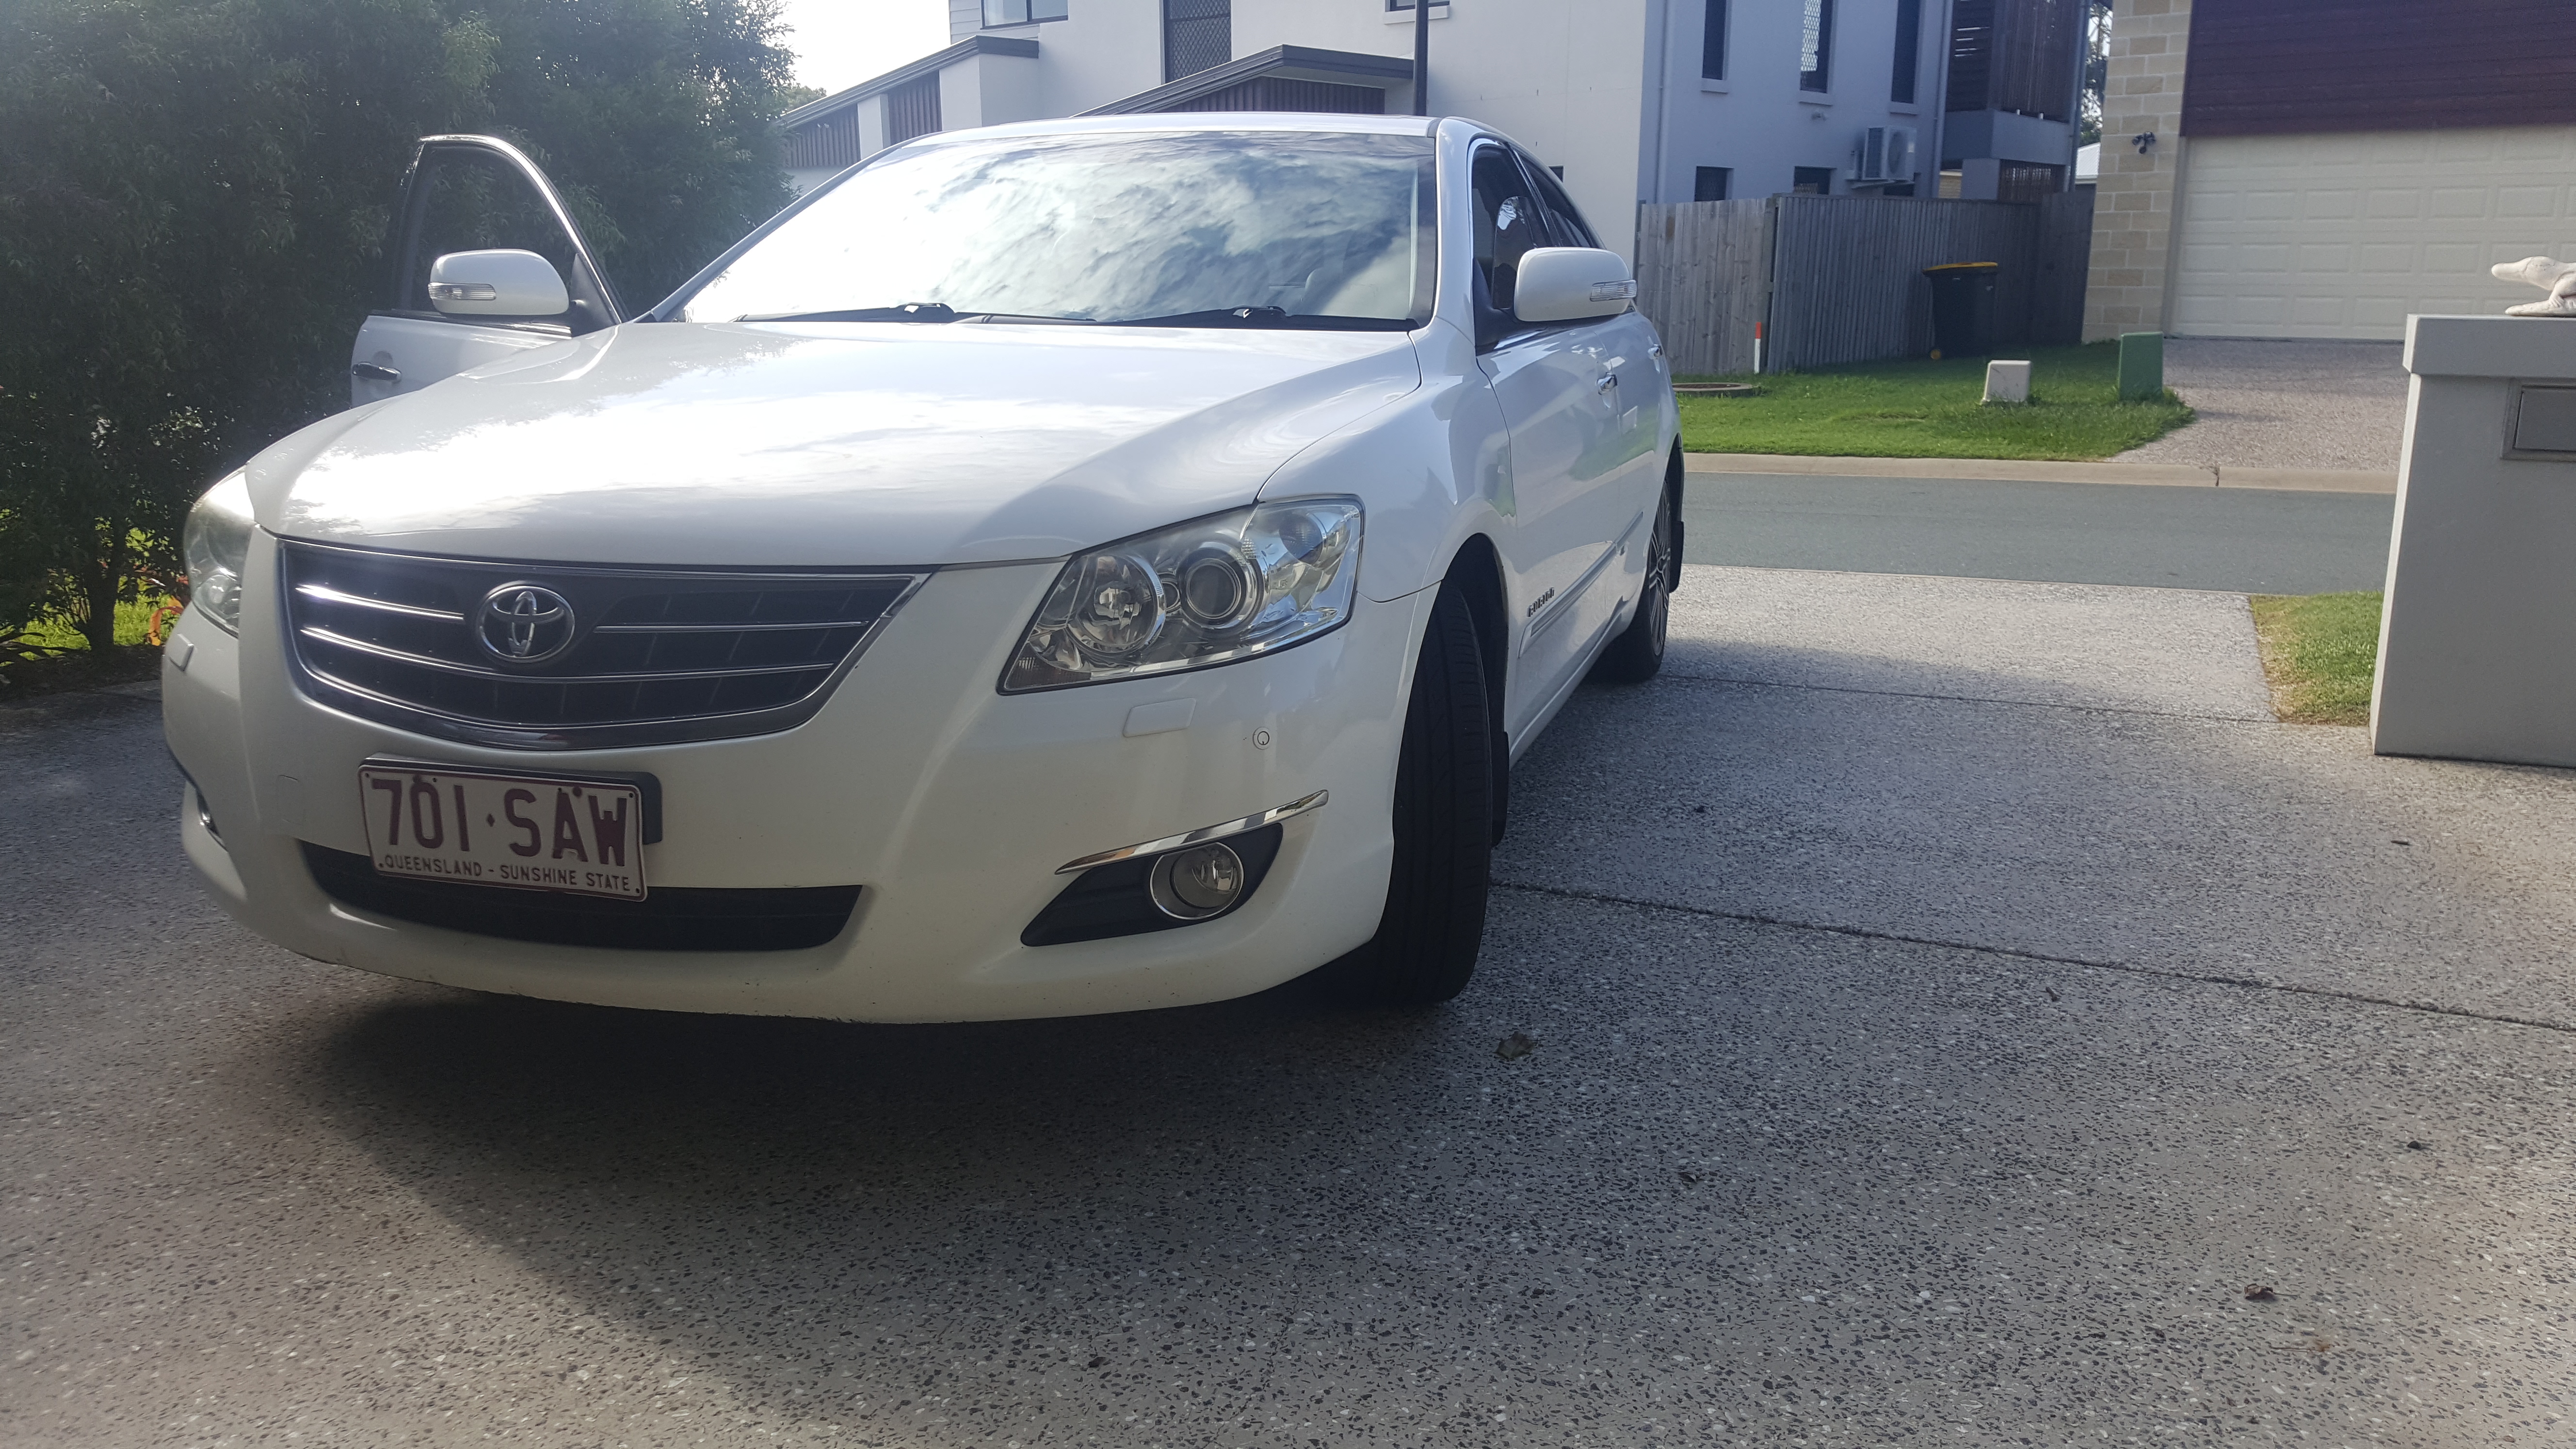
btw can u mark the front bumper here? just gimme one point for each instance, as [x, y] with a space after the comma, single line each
[949, 804]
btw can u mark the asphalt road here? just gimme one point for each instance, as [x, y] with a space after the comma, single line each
[2246, 540]
[1942, 1020]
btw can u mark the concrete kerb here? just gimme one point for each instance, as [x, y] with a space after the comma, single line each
[2015, 470]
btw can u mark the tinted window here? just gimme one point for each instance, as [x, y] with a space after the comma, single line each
[1508, 223]
[1563, 220]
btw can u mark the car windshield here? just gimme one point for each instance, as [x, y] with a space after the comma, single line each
[1209, 229]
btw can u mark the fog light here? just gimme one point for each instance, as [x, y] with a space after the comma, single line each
[1193, 884]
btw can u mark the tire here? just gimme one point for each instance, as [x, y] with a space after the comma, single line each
[1637, 655]
[1434, 925]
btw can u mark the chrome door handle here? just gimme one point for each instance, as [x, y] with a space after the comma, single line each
[374, 372]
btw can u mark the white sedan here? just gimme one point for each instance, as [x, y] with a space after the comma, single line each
[1059, 568]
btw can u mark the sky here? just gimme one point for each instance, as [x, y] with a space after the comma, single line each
[839, 43]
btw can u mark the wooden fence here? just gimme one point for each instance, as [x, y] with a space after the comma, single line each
[1835, 279]
[1704, 277]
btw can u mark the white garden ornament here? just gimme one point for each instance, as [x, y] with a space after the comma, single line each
[2556, 278]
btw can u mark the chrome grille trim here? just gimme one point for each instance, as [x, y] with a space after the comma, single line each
[424, 661]
[658, 656]
[330, 595]
[724, 628]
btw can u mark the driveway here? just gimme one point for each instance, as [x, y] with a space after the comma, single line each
[1950, 997]
[2247, 540]
[2272, 404]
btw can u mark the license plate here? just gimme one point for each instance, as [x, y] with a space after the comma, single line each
[532, 832]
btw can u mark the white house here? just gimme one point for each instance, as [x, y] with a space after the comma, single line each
[1629, 100]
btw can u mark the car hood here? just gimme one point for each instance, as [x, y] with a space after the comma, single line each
[832, 444]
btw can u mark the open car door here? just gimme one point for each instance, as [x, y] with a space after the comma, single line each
[477, 228]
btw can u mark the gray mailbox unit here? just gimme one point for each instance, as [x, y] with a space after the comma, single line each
[2477, 643]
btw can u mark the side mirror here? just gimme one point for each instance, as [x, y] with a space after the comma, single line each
[1569, 284]
[497, 284]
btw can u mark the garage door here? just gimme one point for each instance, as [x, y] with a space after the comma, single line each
[2342, 236]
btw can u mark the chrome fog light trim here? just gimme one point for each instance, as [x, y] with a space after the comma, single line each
[1199, 836]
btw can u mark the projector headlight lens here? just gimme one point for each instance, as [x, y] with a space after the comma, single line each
[1208, 592]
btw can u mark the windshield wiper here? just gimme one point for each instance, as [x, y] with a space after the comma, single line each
[907, 312]
[1212, 317]
[1277, 318]
[911, 312]
[1270, 317]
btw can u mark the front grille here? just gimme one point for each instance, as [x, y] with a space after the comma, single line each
[786, 918]
[645, 656]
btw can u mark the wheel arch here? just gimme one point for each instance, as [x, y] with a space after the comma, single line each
[1476, 571]
[1673, 475]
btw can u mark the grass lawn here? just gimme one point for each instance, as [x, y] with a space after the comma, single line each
[133, 623]
[2319, 651]
[131, 659]
[1918, 408]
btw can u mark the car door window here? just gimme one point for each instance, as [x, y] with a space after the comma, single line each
[1564, 221]
[1508, 223]
[466, 198]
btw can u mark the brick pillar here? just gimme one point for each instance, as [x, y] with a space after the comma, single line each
[2133, 202]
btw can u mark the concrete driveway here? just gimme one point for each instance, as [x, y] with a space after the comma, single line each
[1951, 997]
[2248, 540]
[2278, 404]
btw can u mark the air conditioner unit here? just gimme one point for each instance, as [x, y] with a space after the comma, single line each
[1883, 154]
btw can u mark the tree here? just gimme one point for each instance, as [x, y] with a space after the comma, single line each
[193, 207]
[2097, 71]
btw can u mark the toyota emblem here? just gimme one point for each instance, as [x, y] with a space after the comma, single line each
[524, 624]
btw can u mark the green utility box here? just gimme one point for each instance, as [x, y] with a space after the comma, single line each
[2142, 366]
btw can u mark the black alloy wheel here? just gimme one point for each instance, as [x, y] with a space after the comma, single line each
[1637, 655]
[1434, 924]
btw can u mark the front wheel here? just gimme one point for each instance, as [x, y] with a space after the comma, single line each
[1434, 925]
[1637, 655]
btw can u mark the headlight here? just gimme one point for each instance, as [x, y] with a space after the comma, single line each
[1219, 589]
[218, 541]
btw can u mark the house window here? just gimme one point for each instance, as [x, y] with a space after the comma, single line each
[1021, 12]
[1816, 46]
[912, 109]
[1709, 183]
[1812, 181]
[1196, 34]
[1712, 42]
[1909, 51]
